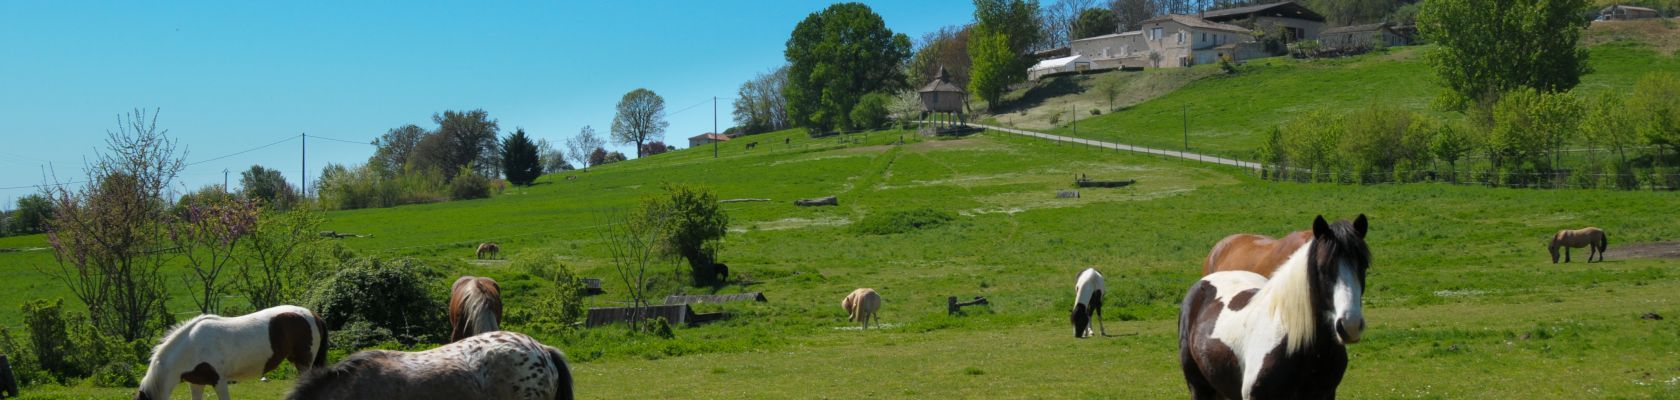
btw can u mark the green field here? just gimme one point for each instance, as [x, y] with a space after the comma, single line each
[1463, 300]
[1227, 115]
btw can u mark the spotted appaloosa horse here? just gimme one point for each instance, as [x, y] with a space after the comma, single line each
[1592, 238]
[861, 306]
[1253, 253]
[475, 306]
[489, 249]
[498, 365]
[1087, 301]
[1242, 336]
[211, 350]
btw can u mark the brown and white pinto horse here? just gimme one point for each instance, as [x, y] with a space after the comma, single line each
[489, 249]
[1592, 238]
[475, 306]
[493, 366]
[1253, 253]
[1242, 336]
[212, 350]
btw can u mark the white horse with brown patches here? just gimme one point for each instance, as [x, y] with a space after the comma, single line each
[498, 365]
[1242, 336]
[212, 350]
[861, 306]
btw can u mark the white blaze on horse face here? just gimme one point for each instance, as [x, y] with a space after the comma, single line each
[1347, 298]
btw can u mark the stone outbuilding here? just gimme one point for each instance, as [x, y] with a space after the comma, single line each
[942, 98]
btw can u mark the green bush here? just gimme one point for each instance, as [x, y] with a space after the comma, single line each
[66, 347]
[559, 301]
[391, 295]
[49, 337]
[871, 111]
[902, 221]
[468, 185]
[360, 334]
[694, 221]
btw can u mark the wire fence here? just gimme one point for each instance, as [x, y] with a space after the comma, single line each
[1646, 179]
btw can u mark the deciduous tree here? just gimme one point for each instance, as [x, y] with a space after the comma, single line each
[580, 148]
[641, 117]
[994, 66]
[1484, 48]
[1095, 22]
[837, 55]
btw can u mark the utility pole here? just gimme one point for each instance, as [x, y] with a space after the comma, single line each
[714, 126]
[303, 166]
[225, 181]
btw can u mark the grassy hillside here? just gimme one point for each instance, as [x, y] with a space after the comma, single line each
[1227, 114]
[1461, 286]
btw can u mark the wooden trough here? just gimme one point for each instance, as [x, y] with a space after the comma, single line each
[592, 286]
[714, 298]
[1086, 181]
[952, 306]
[676, 314]
[820, 201]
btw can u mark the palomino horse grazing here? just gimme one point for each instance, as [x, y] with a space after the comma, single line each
[1593, 238]
[1088, 300]
[488, 248]
[214, 350]
[1242, 336]
[475, 306]
[492, 366]
[1253, 253]
[861, 306]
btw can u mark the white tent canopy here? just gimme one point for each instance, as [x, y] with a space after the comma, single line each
[1056, 65]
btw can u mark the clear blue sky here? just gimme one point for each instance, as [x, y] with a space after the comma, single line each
[229, 76]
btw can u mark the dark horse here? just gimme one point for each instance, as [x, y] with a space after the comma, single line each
[1242, 336]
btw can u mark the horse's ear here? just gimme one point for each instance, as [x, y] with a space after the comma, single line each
[1320, 227]
[1359, 225]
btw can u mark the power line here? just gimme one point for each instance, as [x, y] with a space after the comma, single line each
[287, 139]
[340, 140]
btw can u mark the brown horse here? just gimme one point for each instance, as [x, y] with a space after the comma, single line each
[475, 306]
[1593, 238]
[1253, 253]
[489, 248]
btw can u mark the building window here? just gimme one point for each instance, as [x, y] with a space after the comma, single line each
[1155, 33]
[1204, 37]
[1180, 37]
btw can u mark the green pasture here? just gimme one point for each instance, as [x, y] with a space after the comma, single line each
[1228, 115]
[1463, 299]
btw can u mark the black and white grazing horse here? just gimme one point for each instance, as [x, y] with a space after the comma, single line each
[1088, 300]
[1241, 336]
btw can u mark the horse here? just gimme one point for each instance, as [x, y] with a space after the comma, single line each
[1242, 335]
[1088, 300]
[475, 306]
[1254, 253]
[493, 366]
[211, 350]
[1592, 238]
[489, 248]
[751, 145]
[861, 306]
[720, 272]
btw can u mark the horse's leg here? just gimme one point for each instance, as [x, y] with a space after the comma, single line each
[1566, 254]
[222, 390]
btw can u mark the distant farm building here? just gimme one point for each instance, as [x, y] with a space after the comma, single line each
[1182, 40]
[706, 138]
[1115, 50]
[1359, 38]
[942, 98]
[1289, 19]
[1620, 12]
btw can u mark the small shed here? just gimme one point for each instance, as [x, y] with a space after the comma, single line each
[943, 97]
[1621, 12]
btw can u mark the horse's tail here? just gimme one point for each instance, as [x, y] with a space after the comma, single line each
[321, 354]
[564, 391]
[1603, 242]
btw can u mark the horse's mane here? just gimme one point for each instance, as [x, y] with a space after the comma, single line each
[1289, 299]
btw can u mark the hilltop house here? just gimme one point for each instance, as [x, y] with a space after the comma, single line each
[1114, 50]
[1358, 38]
[1294, 21]
[1182, 40]
[1619, 12]
[705, 138]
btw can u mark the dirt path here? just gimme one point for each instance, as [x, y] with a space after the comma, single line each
[1642, 250]
[1126, 147]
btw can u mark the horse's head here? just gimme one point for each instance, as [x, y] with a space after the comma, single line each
[1338, 260]
[1081, 320]
[141, 395]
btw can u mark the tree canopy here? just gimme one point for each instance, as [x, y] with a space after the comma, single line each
[837, 55]
[520, 162]
[1485, 48]
[1094, 22]
[994, 66]
[641, 117]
